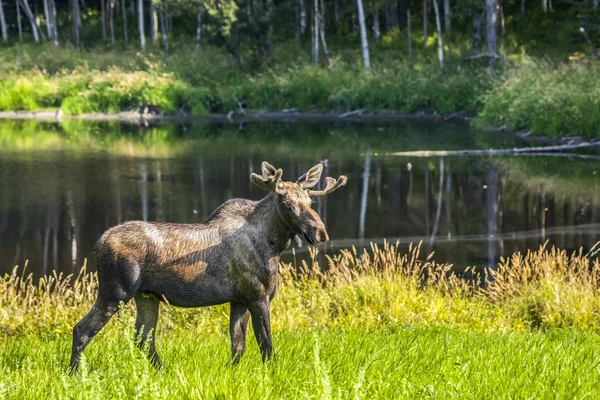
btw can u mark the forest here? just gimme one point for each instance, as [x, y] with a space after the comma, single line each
[491, 60]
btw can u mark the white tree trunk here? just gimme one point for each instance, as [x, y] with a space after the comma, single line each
[29, 14]
[198, 30]
[491, 6]
[48, 19]
[164, 32]
[153, 24]
[363, 34]
[376, 25]
[111, 15]
[410, 56]
[76, 21]
[103, 18]
[124, 12]
[447, 16]
[315, 31]
[303, 18]
[3, 23]
[269, 41]
[438, 25]
[425, 22]
[141, 24]
[322, 33]
[524, 5]
[52, 5]
[19, 20]
[595, 4]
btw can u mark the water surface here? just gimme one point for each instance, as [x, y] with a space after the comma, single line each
[61, 186]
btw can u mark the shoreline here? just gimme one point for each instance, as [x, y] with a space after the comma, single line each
[284, 115]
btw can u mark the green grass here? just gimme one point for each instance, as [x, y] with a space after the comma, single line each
[374, 325]
[546, 97]
[389, 363]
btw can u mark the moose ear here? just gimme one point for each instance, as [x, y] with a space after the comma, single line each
[311, 177]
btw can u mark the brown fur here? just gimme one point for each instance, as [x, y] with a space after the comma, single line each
[232, 257]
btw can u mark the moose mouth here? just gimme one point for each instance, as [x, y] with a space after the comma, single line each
[309, 238]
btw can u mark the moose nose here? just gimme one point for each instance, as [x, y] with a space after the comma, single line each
[321, 235]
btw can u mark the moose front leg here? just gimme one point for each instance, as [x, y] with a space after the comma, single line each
[238, 324]
[261, 323]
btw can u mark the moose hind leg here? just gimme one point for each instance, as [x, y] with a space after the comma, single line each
[89, 326]
[238, 325]
[145, 325]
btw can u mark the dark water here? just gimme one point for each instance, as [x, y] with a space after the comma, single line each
[61, 186]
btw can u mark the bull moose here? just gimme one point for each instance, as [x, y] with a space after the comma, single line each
[232, 257]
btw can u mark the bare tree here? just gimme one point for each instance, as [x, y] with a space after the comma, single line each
[315, 46]
[48, 19]
[523, 7]
[103, 17]
[376, 27]
[37, 32]
[124, 12]
[3, 23]
[269, 36]
[439, 33]
[18, 7]
[303, 19]
[410, 56]
[198, 29]
[492, 29]
[363, 34]
[111, 14]
[447, 16]
[52, 6]
[153, 24]
[141, 24]
[163, 31]
[425, 22]
[322, 33]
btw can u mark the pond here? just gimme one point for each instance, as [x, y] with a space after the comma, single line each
[62, 185]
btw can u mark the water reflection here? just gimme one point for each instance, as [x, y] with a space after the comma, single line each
[54, 204]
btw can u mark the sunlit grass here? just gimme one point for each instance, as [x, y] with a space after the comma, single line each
[374, 325]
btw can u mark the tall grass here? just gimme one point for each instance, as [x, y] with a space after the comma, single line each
[543, 289]
[379, 324]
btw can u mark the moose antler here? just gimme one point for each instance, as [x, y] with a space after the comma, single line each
[331, 185]
[270, 179]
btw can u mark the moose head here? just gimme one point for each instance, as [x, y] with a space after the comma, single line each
[294, 199]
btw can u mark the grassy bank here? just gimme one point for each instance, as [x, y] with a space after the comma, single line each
[380, 324]
[542, 96]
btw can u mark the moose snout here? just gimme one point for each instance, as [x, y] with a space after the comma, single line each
[321, 235]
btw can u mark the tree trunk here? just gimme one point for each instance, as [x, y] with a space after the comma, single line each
[523, 7]
[141, 24]
[3, 23]
[438, 25]
[477, 38]
[103, 17]
[153, 24]
[34, 26]
[19, 21]
[303, 19]
[425, 22]
[52, 5]
[111, 14]
[337, 12]
[447, 16]
[124, 12]
[545, 5]
[315, 32]
[163, 31]
[198, 30]
[492, 30]
[363, 34]
[376, 27]
[595, 4]
[269, 38]
[48, 19]
[322, 32]
[410, 56]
